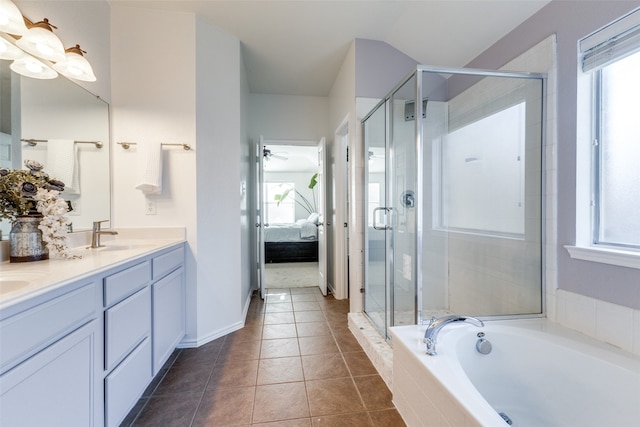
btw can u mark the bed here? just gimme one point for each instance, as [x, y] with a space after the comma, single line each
[296, 242]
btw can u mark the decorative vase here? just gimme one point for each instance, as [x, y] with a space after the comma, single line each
[25, 240]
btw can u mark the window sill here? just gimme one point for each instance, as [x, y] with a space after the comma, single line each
[622, 258]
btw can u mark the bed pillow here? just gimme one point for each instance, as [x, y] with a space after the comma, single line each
[314, 217]
[301, 221]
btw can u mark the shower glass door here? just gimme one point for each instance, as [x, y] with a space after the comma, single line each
[390, 197]
[453, 196]
[375, 271]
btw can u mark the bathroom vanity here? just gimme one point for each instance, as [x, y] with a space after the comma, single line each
[81, 339]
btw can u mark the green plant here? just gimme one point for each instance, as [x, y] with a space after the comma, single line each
[309, 206]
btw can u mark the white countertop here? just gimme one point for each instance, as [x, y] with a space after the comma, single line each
[21, 281]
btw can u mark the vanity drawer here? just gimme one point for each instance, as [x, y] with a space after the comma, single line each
[27, 332]
[118, 286]
[126, 324]
[125, 385]
[168, 262]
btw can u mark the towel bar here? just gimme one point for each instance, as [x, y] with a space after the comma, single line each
[33, 142]
[127, 145]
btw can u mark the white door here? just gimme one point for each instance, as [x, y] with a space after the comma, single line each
[322, 237]
[260, 214]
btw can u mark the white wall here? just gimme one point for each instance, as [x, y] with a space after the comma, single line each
[283, 117]
[149, 103]
[193, 97]
[220, 233]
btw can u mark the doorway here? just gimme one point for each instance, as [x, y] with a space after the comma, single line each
[291, 221]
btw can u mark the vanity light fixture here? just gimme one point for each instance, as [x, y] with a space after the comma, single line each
[11, 20]
[31, 67]
[8, 50]
[75, 65]
[41, 42]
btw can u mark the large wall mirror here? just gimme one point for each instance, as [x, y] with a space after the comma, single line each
[61, 125]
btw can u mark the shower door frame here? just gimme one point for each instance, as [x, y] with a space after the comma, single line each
[417, 275]
[420, 191]
[389, 194]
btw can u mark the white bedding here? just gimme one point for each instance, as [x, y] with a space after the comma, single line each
[299, 232]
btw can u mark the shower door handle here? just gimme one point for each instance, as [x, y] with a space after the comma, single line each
[375, 216]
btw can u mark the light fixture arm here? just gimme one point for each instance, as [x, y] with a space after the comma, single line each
[45, 24]
[76, 49]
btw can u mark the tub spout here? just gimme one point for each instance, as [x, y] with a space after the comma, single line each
[435, 325]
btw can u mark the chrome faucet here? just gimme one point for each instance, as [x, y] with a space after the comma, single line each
[435, 325]
[97, 231]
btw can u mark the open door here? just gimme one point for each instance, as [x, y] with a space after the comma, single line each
[322, 224]
[260, 214]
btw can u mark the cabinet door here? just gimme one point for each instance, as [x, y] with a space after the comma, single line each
[125, 385]
[55, 387]
[168, 316]
[126, 324]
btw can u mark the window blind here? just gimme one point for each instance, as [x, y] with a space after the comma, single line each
[611, 43]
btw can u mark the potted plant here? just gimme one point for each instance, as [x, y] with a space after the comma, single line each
[309, 206]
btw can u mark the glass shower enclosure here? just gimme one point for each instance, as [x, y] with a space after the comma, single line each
[453, 197]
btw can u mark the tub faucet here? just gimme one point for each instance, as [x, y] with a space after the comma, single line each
[435, 325]
[97, 231]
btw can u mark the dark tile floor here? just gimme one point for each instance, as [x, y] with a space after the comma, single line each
[294, 364]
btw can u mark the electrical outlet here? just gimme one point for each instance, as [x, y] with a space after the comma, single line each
[150, 207]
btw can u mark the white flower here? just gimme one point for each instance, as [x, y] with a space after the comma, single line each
[54, 222]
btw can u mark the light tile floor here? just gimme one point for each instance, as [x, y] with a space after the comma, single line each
[294, 364]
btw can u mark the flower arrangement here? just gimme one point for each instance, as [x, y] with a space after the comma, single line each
[32, 192]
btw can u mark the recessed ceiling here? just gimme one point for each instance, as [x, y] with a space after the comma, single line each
[296, 47]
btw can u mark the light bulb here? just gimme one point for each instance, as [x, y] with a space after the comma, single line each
[43, 49]
[33, 66]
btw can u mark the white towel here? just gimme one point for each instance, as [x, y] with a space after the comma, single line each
[62, 163]
[149, 167]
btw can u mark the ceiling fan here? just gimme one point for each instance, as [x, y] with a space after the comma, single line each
[268, 154]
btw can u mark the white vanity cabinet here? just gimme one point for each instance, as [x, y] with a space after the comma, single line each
[50, 360]
[82, 352]
[169, 316]
[127, 332]
[144, 319]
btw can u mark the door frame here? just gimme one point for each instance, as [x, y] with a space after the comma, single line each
[260, 200]
[340, 280]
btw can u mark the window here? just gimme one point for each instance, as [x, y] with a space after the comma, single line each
[617, 154]
[611, 60]
[374, 201]
[283, 212]
[482, 175]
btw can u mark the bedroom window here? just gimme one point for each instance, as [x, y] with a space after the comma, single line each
[374, 200]
[283, 212]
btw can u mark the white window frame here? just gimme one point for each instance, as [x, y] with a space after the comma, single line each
[585, 247]
[289, 202]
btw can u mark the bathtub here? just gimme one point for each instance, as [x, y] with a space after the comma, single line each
[538, 374]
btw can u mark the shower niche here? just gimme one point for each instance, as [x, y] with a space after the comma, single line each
[453, 199]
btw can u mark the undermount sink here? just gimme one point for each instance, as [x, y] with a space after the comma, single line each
[121, 246]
